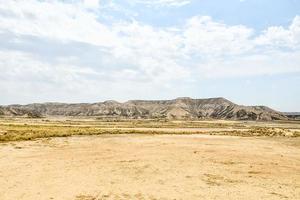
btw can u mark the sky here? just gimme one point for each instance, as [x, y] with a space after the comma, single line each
[247, 51]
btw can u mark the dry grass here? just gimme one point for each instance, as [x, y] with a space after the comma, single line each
[261, 131]
[15, 129]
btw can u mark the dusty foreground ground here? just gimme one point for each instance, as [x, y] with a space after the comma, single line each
[150, 167]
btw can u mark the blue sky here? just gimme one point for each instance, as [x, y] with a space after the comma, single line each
[93, 50]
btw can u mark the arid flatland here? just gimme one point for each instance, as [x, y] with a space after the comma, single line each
[90, 159]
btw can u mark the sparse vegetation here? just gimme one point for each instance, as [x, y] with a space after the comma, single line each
[15, 129]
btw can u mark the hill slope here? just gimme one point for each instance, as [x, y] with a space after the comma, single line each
[292, 115]
[180, 108]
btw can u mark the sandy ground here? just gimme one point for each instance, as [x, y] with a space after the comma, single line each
[179, 130]
[150, 167]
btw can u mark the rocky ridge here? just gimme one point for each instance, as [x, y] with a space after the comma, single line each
[180, 108]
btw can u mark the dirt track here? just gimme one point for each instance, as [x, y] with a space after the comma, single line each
[150, 167]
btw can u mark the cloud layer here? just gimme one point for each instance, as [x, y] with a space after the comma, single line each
[83, 53]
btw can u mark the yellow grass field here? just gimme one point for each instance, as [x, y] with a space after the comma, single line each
[14, 129]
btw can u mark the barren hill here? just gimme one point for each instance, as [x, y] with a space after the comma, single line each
[180, 108]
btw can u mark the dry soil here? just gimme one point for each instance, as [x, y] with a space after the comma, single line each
[150, 167]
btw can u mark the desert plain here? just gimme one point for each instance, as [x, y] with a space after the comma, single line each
[92, 159]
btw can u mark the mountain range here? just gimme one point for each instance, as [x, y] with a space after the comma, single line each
[180, 108]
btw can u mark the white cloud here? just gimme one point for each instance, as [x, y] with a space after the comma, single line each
[164, 3]
[55, 20]
[279, 36]
[270, 63]
[24, 67]
[23, 78]
[91, 4]
[203, 35]
[138, 55]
